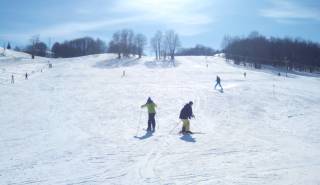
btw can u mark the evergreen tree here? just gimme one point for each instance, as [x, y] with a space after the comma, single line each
[8, 46]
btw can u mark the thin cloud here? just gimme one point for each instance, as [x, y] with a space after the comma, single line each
[186, 17]
[72, 28]
[282, 11]
[189, 14]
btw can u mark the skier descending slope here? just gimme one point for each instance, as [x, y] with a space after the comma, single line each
[12, 79]
[185, 115]
[218, 80]
[151, 114]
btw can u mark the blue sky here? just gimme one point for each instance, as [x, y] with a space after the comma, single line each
[196, 21]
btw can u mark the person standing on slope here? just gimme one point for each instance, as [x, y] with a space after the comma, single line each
[186, 114]
[218, 80]
[151, 114]
[12, 79]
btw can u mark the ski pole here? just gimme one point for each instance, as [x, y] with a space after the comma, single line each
[157, 123]
[196, 126]
[174, 127]
[139, 123]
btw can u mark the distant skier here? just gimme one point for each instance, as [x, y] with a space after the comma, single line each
[123, 73]
[186, 114]
[26, 76]
[151, 114]
[218, 80]
[12, 79]
[245, 74]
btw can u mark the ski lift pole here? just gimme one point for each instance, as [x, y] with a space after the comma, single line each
[273, 86]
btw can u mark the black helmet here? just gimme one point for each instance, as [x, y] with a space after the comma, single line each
[190, 103]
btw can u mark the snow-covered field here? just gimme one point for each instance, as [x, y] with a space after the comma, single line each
[81, 123]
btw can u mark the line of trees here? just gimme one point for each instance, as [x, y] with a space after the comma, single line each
[79, 47]
[165, 44]
[294, 54]
[125, 43]
[198, 50]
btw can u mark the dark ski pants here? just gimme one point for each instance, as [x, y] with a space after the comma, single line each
[217, 85]
[151, 122]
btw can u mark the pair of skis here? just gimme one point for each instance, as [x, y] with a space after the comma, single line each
[180, 132]
[189, 133]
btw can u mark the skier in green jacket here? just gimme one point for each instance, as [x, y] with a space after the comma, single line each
[151, 112]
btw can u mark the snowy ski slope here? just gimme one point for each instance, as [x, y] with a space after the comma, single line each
[81, 123]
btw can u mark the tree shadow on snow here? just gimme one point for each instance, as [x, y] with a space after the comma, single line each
[188, 138]
[161, 64]
[145, 136]
[117, 63]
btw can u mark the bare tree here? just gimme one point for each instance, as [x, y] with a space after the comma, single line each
[140, 42]
[159, 37]
[34, 40]
[156, 43]
[173, 42]
[115, 44]
[36, 47]
[153, 43]
[164, 49]
[130, 43]
[126, 42]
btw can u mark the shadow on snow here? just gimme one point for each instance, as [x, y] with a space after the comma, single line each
[117, 63]
[161, 64]
[188, 138]
[145, 136]
[129, 62]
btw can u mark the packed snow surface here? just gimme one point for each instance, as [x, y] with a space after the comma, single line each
[81, 123]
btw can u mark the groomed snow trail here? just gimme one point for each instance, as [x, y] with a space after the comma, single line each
[77, 124]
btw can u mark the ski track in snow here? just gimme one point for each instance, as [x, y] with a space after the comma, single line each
[77, 123]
